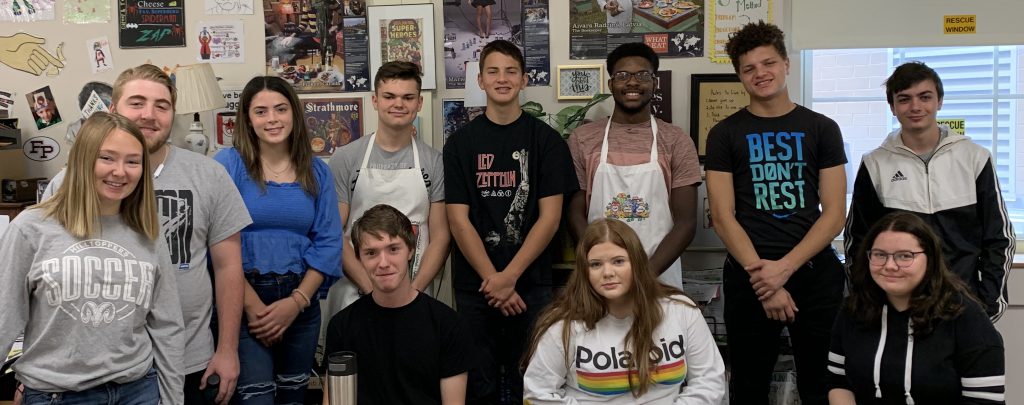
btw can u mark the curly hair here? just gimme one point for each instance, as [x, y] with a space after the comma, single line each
[940, 296]
[632, 49]
[755, 35]
[580, 303]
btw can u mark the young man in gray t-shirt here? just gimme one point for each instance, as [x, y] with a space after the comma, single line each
[392, 166]
[201, 214]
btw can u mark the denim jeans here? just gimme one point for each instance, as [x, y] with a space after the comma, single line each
[144, 391]
[278, 374]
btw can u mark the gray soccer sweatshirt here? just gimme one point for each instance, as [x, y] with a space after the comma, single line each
[96, 310]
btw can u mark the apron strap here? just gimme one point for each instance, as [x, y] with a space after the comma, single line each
[654, 143]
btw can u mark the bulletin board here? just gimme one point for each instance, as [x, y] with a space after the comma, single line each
[713, 97]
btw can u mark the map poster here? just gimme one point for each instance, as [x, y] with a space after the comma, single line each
[151, 23]
[673, 28]
[332, 123]
[523, 22]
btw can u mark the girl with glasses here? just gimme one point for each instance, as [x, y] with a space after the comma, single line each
[910, 331]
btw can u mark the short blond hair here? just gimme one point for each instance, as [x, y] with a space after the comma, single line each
[76, 204]
[143, 72]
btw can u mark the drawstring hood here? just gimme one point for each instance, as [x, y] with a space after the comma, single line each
[908, 365]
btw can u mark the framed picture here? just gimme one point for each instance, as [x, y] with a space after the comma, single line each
[713, 97]
[332, 122]
[404, 33]
[579, 82]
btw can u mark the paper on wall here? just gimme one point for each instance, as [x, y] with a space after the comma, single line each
[100, 57]
[221, 42]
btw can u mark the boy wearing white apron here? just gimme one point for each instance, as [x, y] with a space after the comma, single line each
[637, 169]
[394, 167]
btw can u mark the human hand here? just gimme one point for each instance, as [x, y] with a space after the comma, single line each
[498, 287]
[24, 52]
[225, 365]
[513, 306]
[768, 276]
[780, 306]
[271, 323]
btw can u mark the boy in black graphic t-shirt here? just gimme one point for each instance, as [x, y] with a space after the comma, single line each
[769, 167]
[505, 177]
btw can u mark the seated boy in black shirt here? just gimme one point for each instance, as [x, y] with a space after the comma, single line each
[410, 348]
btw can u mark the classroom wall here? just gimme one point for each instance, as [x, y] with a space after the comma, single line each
[817, 16]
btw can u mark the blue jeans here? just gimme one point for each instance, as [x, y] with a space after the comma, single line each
[144, 391]
[278, 374]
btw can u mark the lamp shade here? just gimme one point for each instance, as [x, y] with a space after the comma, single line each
[197, 89]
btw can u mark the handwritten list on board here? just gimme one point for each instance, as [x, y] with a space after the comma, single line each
[716, 101]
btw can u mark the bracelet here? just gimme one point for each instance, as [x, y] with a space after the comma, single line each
[304, 296]
[301, 308]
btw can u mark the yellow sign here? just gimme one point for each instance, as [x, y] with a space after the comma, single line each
[955, 124]
[960, 24]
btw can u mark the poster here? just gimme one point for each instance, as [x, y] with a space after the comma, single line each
[100, 58]
[214, 7]
[224, 118]
[404, 33]
[456, 115]
[319, 46]
[674, 29]
[661, 100]
[522, 22]
[26, 10]
[221, 42]
[151, 23]
[726, 18]
[332, 123]
[44, 109]
[713, 98]
[86, 11]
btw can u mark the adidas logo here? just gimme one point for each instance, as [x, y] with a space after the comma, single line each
[898, 177]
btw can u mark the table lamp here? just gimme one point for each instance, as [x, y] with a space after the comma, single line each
[198, 91]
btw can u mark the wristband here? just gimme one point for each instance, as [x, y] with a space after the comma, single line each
[304, 296]
[301, 308]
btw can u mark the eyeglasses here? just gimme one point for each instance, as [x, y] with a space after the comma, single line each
[642, 76]
[903, 258]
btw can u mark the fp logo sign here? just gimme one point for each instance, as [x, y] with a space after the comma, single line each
[41, 148]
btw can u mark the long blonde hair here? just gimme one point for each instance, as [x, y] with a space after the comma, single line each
[76, 204]
[580, 303]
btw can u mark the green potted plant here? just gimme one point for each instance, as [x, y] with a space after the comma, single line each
[566, 120]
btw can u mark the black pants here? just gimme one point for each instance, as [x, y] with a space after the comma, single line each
[817, 290]
[499, 344]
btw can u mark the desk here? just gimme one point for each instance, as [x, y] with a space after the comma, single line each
[13, 209]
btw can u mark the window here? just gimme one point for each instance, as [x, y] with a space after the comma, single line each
[982, 86]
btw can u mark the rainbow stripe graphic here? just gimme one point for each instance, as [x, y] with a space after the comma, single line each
[615, 382]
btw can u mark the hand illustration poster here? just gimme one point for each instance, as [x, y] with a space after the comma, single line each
[319, 46]
[673, 28]
[332, 123]
[468, 27]
[151, 23]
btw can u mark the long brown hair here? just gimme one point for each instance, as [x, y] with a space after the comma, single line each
[248, 145]
[940, 296]
[580, 303]
[76, 204]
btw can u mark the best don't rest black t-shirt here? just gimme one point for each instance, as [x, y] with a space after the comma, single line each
[501, 172]
[775, 164]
